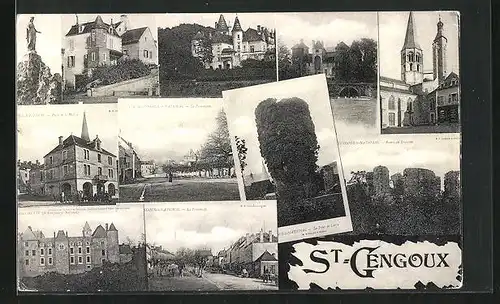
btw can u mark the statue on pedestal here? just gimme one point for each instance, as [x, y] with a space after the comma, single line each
[31, 35]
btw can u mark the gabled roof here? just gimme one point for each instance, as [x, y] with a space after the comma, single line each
[99, 232]
[410, 37]
[300, 45]
[98, 23]
[133, 35]
[112, 227]
[60, 235]
[252, 35]
[198, 35]
[86, 226]
[266, 256]
[73, 140]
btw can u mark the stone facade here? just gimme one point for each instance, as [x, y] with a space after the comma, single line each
[66, 254]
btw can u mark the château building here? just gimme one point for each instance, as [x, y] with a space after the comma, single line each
[78, 164]
[231, 44]
[66, 254]
[420, 98]
[317, 59]
[91, 44]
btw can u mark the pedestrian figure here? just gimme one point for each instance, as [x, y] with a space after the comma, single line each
[170, 176]
[62, 197]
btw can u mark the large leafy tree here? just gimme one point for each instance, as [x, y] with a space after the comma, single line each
[216, 152]
[289, 146]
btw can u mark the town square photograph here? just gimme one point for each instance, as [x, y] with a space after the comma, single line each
[81, 249]
[67, 155]
[201, 55]
[419, 72]
[284, 136]
[175, 150]
[38, 60]
[348, 59]
[108, 56]
[197, 246]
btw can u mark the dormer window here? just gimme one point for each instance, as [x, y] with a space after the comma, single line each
[80, 29]
[110, 30]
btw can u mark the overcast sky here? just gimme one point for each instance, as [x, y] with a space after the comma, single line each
[246, 19]
[215, 225]
[425, 151]
[241, 104]
[166, 128]
[48, 43]
[39, 127]
[392, 35]
[135, 21]
[128, 220]
[329, 27]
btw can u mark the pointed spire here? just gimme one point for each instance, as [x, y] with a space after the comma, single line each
[237, 25]
[222, 25]
[86, 226]
[85, 129]
[439, 32]
[411, 33]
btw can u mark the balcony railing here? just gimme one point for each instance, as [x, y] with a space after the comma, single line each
[101, 178]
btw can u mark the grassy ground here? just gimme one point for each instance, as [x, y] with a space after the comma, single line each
[185, 283]
[316, 209]
[355, 111]
[450, 128]
[203, 89]
[160, 190]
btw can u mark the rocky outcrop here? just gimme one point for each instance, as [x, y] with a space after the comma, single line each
[35, 82]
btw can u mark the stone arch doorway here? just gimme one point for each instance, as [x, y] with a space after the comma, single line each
[349, 92]
[111, 189]
[88, 190]
[66, 189]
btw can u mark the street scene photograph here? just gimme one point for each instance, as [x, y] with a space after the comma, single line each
[108, 56]
[81, 249]
[38, 59]
[404, 186]
[201, 55]
[348, 60]
[180, 151]
[419, 72]
[197, 246]
[72, 159]
[284, 136]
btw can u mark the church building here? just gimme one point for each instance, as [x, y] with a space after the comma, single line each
[232, 45]
[420, 98]
[80, 164]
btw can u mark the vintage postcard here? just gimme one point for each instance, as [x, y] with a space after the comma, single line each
[201, 246]
[81, 249]
[284, 136]
[175, 150]
[38, 58]
[405, 202]
[108, 56]
[67, 154]
[202, 55]
[419, 72]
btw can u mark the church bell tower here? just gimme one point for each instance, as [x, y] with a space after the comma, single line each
[439, 53]
[412, 63]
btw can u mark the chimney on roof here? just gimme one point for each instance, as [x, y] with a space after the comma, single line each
[106, 226]
[216, 24]
[270, 236]
[124, 20]
[76, 15]
[262, 235]
[258, 28]
[248, 237]
[60, 140]
[66, 233]
[54, 235]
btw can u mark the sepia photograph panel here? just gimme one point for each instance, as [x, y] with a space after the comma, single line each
[38, 58]
[182, 152]
[67, 154]
[81, 249]
[202, 55]
[285, 139]
[197, 246]
[108, 56]
[420, 91]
